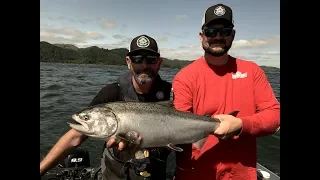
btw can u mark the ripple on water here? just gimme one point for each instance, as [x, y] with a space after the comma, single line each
[54, 87]
[49, 95]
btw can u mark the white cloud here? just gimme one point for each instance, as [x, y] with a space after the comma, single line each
[45, 34]
[118, 36]
[67, 35]
[181, 55]
[104, 23]
[107, 24]
[180, 17]
[275, 40]
[190, 52]
[182, 35]
[43, 26]
[270, 53]
[245, 49]
[123, 43]
[161, 39]
[70, 19]
[267, 58]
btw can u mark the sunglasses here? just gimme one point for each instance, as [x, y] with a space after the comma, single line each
[212, 32]
[138, 59]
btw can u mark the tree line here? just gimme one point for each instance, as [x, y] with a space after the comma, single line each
[68, 53]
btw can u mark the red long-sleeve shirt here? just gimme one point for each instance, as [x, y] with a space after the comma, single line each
[239, 85]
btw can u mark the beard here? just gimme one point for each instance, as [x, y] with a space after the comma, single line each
[143, 76]
[215, 48]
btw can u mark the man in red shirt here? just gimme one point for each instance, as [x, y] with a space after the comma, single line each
[218, 84]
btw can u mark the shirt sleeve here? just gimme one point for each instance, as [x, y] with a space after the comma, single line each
[267, 119]
[182, 93]
[108, 93]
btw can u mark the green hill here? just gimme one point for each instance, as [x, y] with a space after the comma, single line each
[68, 53]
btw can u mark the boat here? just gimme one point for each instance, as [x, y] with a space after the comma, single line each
[265, 174]
[77, 165]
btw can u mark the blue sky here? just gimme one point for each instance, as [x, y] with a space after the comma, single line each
[175, 24]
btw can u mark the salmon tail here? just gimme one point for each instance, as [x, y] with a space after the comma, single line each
[234, 113]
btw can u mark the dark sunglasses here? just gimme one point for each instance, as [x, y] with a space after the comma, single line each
[212, 32]
[138, 59]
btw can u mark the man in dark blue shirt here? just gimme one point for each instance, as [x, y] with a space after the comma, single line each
[141, 83]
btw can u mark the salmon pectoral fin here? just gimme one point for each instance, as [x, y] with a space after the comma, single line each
[131, 137]
[199, 144]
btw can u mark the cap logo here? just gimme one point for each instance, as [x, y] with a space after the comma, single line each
[219, 11]
[143, 42]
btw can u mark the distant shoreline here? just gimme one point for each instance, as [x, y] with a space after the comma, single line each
[71, 54]
[126, 65]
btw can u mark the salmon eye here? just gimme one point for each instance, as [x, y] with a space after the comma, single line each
[85, 117]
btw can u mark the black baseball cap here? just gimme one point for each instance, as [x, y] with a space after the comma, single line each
[219, 12]
[143, 42]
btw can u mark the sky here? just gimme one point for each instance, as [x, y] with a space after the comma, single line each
[174, 24]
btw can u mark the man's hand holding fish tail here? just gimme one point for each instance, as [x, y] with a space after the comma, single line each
[229, 126]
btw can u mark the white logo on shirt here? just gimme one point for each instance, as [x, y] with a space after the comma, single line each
[239, 75]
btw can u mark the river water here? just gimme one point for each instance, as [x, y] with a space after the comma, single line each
[66, 88]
